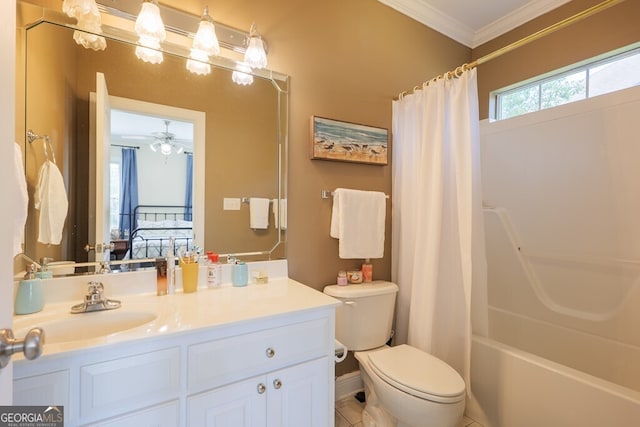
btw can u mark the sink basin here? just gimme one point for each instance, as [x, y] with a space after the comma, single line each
[90, 325]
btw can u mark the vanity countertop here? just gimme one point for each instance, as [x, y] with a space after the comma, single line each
[181, 313]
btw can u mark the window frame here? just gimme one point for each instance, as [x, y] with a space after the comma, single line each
[496, 98]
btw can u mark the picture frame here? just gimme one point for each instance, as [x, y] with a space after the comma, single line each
[348, 142]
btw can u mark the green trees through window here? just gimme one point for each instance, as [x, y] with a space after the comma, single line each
[596, 78]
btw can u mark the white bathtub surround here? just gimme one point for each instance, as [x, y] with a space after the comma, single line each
[564, 266]
[438, 247]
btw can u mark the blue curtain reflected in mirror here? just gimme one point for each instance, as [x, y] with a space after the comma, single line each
[188, 198]
[128, 191]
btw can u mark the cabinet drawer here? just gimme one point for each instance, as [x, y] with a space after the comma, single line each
[166, 415]
[129, 383]
[222, 361]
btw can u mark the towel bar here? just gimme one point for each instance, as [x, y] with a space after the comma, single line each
[325, 194]
[246, 200]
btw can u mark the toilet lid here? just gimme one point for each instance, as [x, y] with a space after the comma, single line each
[418, 373]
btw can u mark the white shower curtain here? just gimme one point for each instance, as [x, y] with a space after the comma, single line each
[438, 239]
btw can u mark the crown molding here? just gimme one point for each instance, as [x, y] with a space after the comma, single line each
[520, 16]
[433, 18]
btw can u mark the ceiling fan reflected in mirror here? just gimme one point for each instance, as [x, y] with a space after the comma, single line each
[166, 142]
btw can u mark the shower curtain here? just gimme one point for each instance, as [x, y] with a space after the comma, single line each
[438, 239]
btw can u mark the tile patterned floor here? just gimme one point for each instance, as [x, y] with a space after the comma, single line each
[349, 414]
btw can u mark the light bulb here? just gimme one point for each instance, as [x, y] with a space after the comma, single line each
[205, 38]
[241, 75]
[151, 32]
[197, 62]
[255, 56]
[89, 20]
[165, 148]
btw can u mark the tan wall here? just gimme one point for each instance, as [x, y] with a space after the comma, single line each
[608, 30]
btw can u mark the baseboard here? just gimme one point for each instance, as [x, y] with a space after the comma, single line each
[348, 385]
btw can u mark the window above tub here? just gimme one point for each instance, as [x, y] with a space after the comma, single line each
[616, 71]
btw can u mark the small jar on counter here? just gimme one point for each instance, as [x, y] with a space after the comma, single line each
[354, 276]
[342, 278]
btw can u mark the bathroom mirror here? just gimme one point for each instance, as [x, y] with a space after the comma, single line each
[244, 145]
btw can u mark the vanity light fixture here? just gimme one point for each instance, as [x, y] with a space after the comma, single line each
[256, 55]
[241, 75]
[151, 32]
[205, 44]
[88, 16]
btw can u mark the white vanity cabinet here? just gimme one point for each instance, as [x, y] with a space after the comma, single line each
[294, 396]
[271, 367]
[289, 364]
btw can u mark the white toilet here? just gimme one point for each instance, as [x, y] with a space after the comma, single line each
[404, 386]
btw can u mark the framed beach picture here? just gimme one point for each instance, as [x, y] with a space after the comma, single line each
[348, 142]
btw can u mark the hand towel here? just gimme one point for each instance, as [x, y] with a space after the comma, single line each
[258, 213]
[51, 200]
[279, 209]
[21, 201]
[358, 221]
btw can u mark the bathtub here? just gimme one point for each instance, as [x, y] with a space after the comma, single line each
[513, 388]
[562, 347]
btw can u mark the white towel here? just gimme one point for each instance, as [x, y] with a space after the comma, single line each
[358, 220]
[21, 201]
[51, 200]
[258, 213]
[279, 210]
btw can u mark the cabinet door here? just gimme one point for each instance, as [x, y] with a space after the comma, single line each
[45, 389]
[298, 395]
[242, 404]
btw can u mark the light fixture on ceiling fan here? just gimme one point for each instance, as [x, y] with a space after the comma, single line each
[166, 142]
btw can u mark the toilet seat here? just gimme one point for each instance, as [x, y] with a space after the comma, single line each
[417, 373]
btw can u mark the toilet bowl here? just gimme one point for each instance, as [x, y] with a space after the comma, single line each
[404, 386]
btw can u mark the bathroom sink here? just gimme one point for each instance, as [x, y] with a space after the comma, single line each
[87, 326]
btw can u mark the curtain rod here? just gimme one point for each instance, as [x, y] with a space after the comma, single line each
[523, 41]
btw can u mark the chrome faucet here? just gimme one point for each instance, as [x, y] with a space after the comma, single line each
[94, 300]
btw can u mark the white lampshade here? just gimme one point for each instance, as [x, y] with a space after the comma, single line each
[205, 38]
[89, 20]
[151, 32]
[197, 62]
[205, 44]
[79, 8]
[90, 40]
[241, 75]
[149, 54]
[165, 148]
[255, 56]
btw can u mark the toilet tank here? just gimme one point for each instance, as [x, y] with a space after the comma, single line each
[364, 319]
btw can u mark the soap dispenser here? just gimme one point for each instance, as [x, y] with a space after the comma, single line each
[44, 272]
[30, 296]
